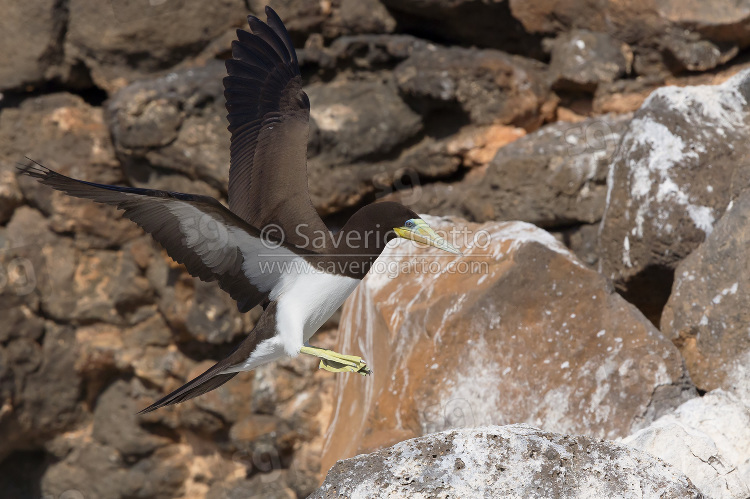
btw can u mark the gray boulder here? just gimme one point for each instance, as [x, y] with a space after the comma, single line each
[581, 59]
[707, 438]
[123, 41]
[34, 31]
[516, 461]
[707, 315]
[681, 159]
[555, 176]
[489, 86]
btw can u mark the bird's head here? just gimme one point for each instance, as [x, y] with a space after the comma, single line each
[388, 220]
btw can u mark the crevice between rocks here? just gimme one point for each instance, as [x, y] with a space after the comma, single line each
[469, 23]
[649, 291]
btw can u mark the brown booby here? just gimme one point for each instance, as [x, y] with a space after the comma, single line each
[298, 270]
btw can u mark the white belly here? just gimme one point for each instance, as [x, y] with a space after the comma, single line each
[267, 351]
[305, 300]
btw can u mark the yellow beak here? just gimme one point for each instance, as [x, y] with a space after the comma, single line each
[418, 230]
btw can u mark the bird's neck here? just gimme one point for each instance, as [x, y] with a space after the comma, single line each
[360, 241]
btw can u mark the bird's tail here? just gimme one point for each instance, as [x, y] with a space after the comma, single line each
[198, 386]
[217, 375]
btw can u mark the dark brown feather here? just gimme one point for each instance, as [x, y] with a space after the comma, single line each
[150, 209]
[269, 121]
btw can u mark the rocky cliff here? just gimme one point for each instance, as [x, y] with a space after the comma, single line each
[594, 157]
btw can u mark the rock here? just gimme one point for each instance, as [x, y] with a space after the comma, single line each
[42, 400]
[430, 158]
[251, 428]
[581, 59]
[552, 177]
[666, 36]
[365, 16]
[367, 52]
[116, 423]
[276, 384]
[689, 52]
[19, 321]
[231, 402]
[299, 16]
[68, 135]
[177, 123]
[22, 275]
[344, 112]
[162, 474]
[213, 316]
[489, 86]
[62, 131]
[509, 461]
[100, 347]
[35, 31]
[520, 312]
[708, 440]
[465, 22]
[23, 260]
[713, 33]
[706, 315]
[129, 40]
[265, 485]
[10, 194]
[92, 470]
[95, 470]
[679, 162]
[94, 286]
[198, 311]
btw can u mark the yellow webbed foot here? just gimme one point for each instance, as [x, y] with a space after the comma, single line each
[335, 362]
[337, 367]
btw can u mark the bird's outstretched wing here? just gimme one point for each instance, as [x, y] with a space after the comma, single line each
[213, 243]
[269, 121]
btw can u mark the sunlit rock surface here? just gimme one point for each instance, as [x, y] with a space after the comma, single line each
[682, 158]
[518, 330]
[706, 438]
[707, 315]
[515, 461]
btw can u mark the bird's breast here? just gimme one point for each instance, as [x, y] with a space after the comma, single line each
[306, 299]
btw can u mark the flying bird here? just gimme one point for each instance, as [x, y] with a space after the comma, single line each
[270, 247]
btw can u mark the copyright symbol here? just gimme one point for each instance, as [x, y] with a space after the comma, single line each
[272, 236]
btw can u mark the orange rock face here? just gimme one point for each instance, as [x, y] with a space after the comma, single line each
[518, 330]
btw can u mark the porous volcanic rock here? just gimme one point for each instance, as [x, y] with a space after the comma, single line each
[515, 461]
[65, 133]
[518, 330]
[581, 59]
[489, 86]
[555, 176]
[344, 112]
[176, 123]
[34, 30]
[123, 41]
[365, 16]
[666, 36]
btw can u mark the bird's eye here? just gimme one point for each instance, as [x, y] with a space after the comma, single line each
[409, 224]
